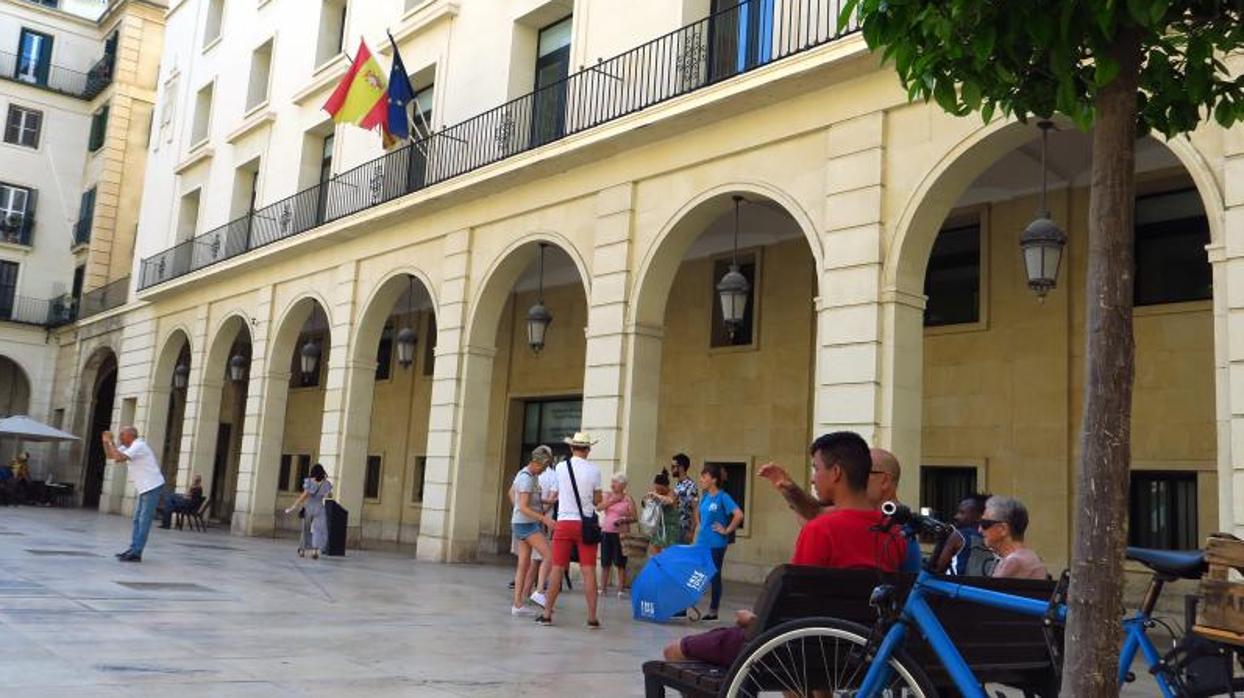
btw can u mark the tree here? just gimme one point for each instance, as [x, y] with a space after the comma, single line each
[1122, 68]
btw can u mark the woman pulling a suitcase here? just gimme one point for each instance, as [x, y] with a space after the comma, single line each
[314, 522]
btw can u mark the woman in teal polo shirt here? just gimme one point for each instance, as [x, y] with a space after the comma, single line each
[717, 517]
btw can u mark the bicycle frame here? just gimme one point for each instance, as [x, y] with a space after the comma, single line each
[916, 611]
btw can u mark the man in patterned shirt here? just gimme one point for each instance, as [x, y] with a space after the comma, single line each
[686, 492]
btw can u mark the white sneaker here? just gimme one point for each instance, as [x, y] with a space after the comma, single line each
[521, 611]
[539, 599]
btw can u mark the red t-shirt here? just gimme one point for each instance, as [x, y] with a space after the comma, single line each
[845, 539]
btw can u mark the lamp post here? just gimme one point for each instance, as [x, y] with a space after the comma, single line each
[309, 358]
[538, 316]
[1042, 242]
[237, 368]
[406, 337]
[734, 289]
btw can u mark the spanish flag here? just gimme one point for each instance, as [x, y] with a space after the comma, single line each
[361, 98]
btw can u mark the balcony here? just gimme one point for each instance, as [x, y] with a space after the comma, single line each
[60, 79]
[40, 312]
[17, 229]
[714, 49]
[106, 297]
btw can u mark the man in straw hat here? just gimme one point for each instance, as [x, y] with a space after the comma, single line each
[568, 533]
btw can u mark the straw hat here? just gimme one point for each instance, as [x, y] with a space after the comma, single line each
[580, 440]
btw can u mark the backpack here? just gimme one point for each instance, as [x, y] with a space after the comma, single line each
[650, 518]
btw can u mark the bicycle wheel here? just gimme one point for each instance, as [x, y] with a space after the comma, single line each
[818, 657]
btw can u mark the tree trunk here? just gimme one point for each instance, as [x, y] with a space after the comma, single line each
[1095, 602]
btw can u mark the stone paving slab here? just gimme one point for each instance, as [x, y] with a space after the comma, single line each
[262, 622]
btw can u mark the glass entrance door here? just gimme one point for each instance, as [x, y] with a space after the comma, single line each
[549, 422]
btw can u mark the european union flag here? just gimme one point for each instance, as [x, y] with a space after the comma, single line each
[401, 93]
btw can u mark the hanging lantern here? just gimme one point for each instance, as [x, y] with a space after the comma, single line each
[734, 289]
[181, 376]
[538, 316]
[1042, 242]
[309, 358]
[406, 338]
[237, 368]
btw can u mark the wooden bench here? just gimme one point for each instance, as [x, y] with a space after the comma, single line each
[1000, 646]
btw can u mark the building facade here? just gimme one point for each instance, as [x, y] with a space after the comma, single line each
[612, 162]
[76, 87]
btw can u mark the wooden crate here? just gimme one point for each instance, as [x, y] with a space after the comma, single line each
[1220, 613]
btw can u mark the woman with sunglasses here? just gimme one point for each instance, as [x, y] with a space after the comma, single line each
[1003, 527]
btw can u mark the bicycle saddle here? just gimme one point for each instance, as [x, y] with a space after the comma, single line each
[1179, 564]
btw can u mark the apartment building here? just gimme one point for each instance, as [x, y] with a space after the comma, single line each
[710, 227]
[76, 81]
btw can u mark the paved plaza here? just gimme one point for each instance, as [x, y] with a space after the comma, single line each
[208, 614]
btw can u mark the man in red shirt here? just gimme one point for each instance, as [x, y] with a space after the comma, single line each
[842, 538]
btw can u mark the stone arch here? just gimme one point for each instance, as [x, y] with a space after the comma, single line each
[659, 264]
[14, 387]
[931, 201]
[378, 304]
[504, 272]
[289, 324]
[96, 400]
[164, 402]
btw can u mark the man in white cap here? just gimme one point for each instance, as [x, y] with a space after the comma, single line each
[575, 474]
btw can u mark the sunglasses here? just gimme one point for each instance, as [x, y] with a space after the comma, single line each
[986, 524]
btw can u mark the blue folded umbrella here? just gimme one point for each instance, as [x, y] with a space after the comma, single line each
[672, 581]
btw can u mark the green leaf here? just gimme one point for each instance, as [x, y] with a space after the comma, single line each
[1138, 10]
[1157, 11]
[971, 92]
[1105, 70]
[987, 111]
[1224, 114]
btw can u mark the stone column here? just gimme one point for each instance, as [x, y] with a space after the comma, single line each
[262, 428]
[449, 521]
[849, 348]
[605, 365]
[1228, 261]
[199, 423]
[342, 373]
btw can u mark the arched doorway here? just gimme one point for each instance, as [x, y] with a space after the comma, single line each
[1000, 373]
[518, 397]
[386, 461]
[169, 385]
[14, 400]
[103, 369]
[732, 393]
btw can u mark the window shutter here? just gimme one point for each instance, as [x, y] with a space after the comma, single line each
[12, 130]
[28, 221]
[34, 122]
[45, 60]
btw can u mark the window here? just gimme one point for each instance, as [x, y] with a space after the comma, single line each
[740, 36]
[325, 174]
[421, 471]
[34, 57]
[384, 353]
[422, 120]
[202, 115]
[371, 482]
[548, 121]
[79, 276]
[332, 36]
[423, 111]
[17, 214]
[1171, 263]
[188, 216]
[304, 471]
[261, 69]
[168, 109]
[283, 479]
[1163, 510]
[86, 213]
[548, 422]
[99, 128]
[745, 334]
[943, 487]
[22, 126]
[736, 486]
[215, 18]
[953, 279]
[8, 288]
[245, 192]
[45, 3]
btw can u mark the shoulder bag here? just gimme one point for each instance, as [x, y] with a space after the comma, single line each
[591, 525]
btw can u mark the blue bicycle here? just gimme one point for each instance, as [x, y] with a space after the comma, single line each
[828, 657]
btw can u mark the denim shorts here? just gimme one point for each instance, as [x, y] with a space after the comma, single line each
[523, 531]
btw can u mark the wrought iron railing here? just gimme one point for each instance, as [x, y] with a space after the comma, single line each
[106, 297]
[716, 48]
[43, 312]
[57, 78]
